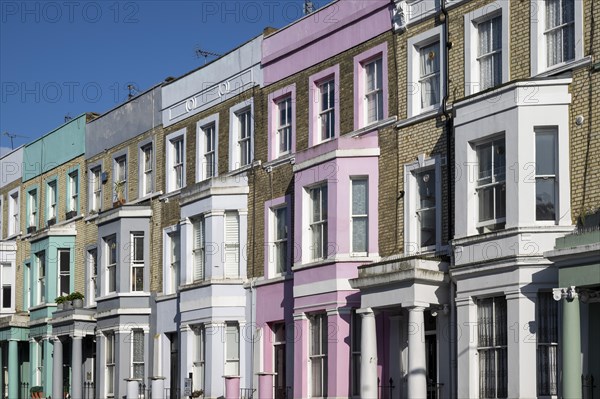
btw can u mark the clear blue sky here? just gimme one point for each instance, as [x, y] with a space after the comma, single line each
[65, 57]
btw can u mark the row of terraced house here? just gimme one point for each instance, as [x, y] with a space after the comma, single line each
[383, 199]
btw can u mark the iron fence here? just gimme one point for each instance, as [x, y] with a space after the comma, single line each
[434, 390]
[587, 386]
[89, 390]
[385, 391]
[247, 393]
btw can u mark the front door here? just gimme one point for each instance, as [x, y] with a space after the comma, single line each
[279, 354]
[174, 377]
[431, 355]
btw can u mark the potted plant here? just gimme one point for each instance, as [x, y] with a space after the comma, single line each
[197, 393]
[60, 302]
[37, 392]
[119, 193]
[77, 299]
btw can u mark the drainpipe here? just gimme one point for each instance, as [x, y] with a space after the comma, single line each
[448, 117]
[449, 200]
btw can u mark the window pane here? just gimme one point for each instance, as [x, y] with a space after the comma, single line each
[138, 248]
[545, 154]
[6, 296]
[545, 198]
[359, 234]
[426, 187]
[359, 197]
[428, 227]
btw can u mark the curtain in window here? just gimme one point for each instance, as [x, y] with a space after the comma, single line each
[560, 31]
[490, 52]
[430, 74]
[547, 350]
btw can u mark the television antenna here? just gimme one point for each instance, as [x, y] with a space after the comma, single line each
[203, 53]
[12, 137]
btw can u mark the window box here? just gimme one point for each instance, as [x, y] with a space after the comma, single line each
[51, 222]
[31, 229]
[70, 215]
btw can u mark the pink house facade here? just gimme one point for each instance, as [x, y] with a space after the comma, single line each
[326, 224]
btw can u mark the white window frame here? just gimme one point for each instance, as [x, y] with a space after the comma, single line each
[360, 61]
[538, 39]
[354, 217]
[412, 240]
[315, 106]
[171, 178]
[235, 139]
[146, 174]
[92, 287]
[199, 358]
[62, 273]
[32, 198]
[7, 279]
[274, 98]
[231, 246]
[40, 259]
[286, 127]
[135, 334]
[201, 150]
[73, 198]
[110, 362]
[14, 211]
[174, 261]
[415, 43]
[95, 182]
[376, 93]
[199, 251]
[120, 171]
[52, 200]
[232, 337]
[471, 22]
[137, 264]
[496, 222]
[109, 264]
[550, 131]
[321, 223]
[318, 323]
[278, 242]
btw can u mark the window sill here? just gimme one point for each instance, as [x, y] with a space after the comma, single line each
[566, 66]
[288, 158]
[244, 168]
[147, 197]
[419, 117]
[169, 195]
[312, 264]
[91, 216]
[373, 126]
[272, 280]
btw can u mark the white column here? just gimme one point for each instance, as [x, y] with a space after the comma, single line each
[417, 367]
[57, 369]
[215, 359]
[467, 369]
[76, 367]
[522, 348]
[368, 351]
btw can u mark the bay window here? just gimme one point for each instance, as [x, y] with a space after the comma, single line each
[545, 173]
[318, 222]
[199, 248]
[110, 363]
[64, 262]
[137, 354]
[137, 262]
[111, 263]
[360, 218]
[491, 184]
[232, 348]
[547, 345]
[232, 244]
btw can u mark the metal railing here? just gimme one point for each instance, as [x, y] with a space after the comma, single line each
[247, 393]
[434, 390]
[283, 392]
[171, 394]
[25, 390]
[89, 390]
[385, 391]
[587, 386]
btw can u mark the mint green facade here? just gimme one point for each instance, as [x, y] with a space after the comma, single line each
[40, 345]
[55, 148]
[14, 356]
[577, 257]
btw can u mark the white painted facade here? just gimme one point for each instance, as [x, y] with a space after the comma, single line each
[507, 262]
